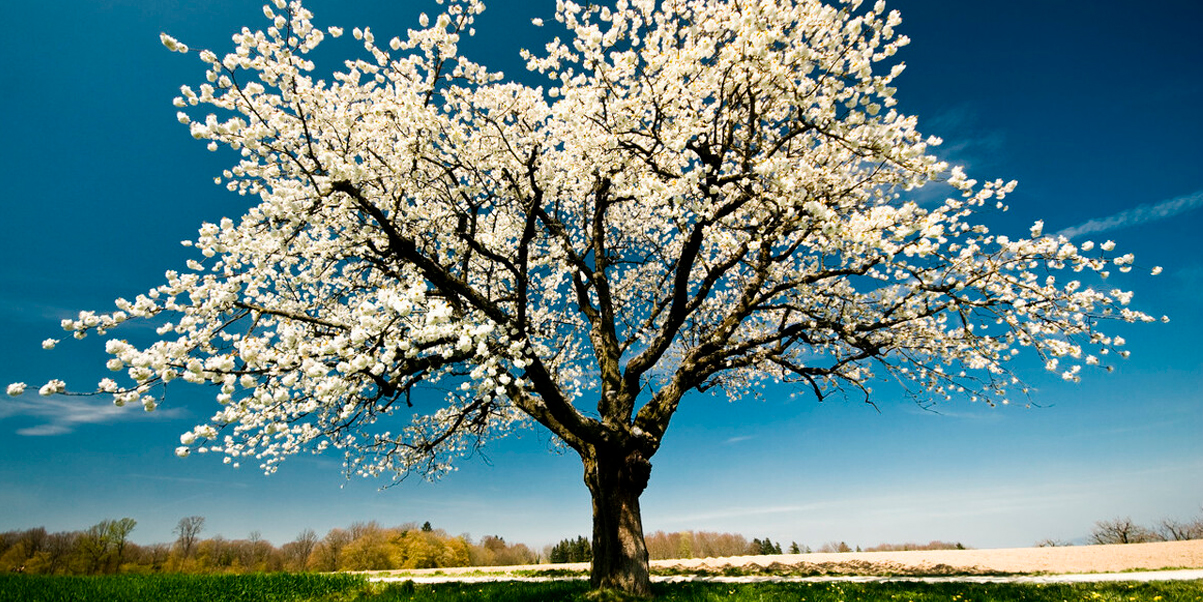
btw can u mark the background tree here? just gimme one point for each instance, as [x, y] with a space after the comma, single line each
[834, 547]
[570, 550]
[763, 547]
[260, 552]
[296, 552]
[1174, 530]
[1053, 543]
[102, 546]
[696, 544]
[368, 549]
[704, 195]
[59, 548]
[902, 547]
[1121, 530]
[157, 556]
[18, 548]
[95, 546]
[118, 534]
[325, 555]
[187, 531]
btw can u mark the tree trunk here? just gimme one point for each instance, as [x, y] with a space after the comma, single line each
[616, 480]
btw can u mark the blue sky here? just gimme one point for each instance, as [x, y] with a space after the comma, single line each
[1093, 106]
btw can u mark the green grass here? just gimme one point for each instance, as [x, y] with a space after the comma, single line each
[354, 588]
[300, 587]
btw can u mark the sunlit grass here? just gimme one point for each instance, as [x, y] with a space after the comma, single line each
[297, 587]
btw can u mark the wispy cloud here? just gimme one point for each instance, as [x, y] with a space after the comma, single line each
[62, 415]
[967, 143]
[1149, 212]
[189, 480]
[734, 440]
[726, 513]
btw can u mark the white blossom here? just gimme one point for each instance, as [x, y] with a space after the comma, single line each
[417, 222]
[52, 387]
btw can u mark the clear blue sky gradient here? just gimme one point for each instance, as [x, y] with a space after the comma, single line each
[1094, 106]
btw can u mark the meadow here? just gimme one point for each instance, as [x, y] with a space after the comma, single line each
[355, 588]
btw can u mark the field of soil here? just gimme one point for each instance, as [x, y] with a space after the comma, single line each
[1069, 559]
[1058, 560]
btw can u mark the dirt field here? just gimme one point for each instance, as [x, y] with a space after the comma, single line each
[1071, 559]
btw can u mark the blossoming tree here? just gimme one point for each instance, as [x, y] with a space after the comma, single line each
[707, 193]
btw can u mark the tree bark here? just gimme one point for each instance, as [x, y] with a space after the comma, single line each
[616, 479]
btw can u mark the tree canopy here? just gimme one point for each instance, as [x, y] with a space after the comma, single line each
[702, 193]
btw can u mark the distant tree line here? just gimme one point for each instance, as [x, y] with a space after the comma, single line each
[101, 548]
[706, 544]
[105, 549]
[909, 546]
[695, 544]
[571, 550]
[1125, 530]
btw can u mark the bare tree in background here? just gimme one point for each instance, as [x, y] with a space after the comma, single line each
[1172, 530]
[1121, 530]
[299, 549]
[188, 529]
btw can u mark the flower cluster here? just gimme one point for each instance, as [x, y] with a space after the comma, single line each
[707, 193]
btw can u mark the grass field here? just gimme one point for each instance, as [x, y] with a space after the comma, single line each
[298, 587]
[354, 588]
